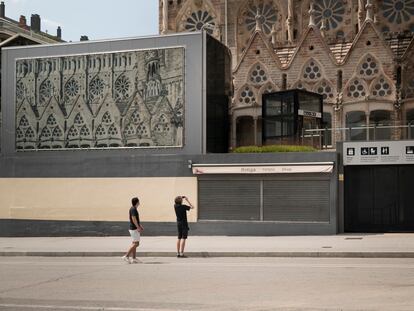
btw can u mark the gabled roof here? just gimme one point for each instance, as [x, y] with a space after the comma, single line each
[399, 45]
[409, 49]
[340, 50]
[19, 35]
[364, 27]
[315, 31]
[258, 34]
[285, 54]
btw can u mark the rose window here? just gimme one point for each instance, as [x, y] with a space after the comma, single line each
[20, 90]
[122, 85]
[135, 117]
[71, 88]
[197, 20]
[30, 133]
[107, 118]
[24, 122]
[326, 90]
[331, 11]
[356, 89]
[46, 89]
[312, 71]
[96, 87]
[267, 15]
[57, 132]
[247, 96]
[78, 119]
[73, 132]
[51, 121]
[112, 130]
[258, 75]
[369, 67]
[129, 130]
[382, 88]
[398, 11]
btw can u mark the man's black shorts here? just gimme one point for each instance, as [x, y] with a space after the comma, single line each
[182, 231]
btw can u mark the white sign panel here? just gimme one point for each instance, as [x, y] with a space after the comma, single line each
[279, 169]
[307, 113]
[378, 152]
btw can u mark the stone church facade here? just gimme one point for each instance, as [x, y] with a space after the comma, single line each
[359, 54]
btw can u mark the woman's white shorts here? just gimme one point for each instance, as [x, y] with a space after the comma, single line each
[135, 235]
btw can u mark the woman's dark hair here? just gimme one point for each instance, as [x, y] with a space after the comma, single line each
[134, 201]
[178, 200]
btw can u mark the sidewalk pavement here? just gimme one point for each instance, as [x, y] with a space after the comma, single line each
[344, 245]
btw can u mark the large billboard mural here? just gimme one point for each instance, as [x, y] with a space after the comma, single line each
[108, 100]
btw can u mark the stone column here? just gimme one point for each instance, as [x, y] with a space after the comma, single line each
[289, 21]
[361, 11]
[255, 129]
[367, 124]
[370, 11]
[233, 142]
[164, 17]
[312, 22]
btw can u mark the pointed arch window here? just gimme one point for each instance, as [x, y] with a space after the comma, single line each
[326, 89]
[106, 118]
[45, 134]
[382, 88]
[247, 96]
[57, 133]
[369, 67]
[51, 120]
[258, 74]
[129, 130]
[135, 117]
[356, 89]
[78, 119]
[85, 132]
[100, 131]
[312, 71]
[113, 131]
[73, 133]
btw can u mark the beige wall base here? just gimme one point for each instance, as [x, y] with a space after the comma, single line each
[93, 199]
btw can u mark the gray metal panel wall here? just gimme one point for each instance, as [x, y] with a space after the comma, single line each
[229, 199]
[296, 200]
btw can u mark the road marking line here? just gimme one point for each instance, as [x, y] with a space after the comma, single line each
[55, 307]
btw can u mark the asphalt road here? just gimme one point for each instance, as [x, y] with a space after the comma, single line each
[166, 284]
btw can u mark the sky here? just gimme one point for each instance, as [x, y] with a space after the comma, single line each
[97, 19]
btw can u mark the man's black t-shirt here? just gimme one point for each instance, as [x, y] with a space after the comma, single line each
[181, 213]
[133, 212]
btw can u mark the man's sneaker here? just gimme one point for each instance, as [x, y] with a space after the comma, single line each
[134, 260]
[178, 255]
[125, 258]
[183, 256]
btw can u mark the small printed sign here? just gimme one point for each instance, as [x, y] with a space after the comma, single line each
[385, 150]
[350, 152]
[378, 152]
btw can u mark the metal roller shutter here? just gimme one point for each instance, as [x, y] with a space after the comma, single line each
[296, 200]
[229, 199]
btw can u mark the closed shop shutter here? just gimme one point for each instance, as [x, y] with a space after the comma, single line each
[229, 200]
[296, 200]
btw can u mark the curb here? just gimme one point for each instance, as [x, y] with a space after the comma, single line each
[218, 254]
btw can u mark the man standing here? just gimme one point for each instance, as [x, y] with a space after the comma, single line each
[135, 229]
[182, 224]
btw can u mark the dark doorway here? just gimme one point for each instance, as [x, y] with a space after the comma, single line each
[379, 198]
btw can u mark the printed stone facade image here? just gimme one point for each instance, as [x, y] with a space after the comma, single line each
[359, 54]
[111, 100]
